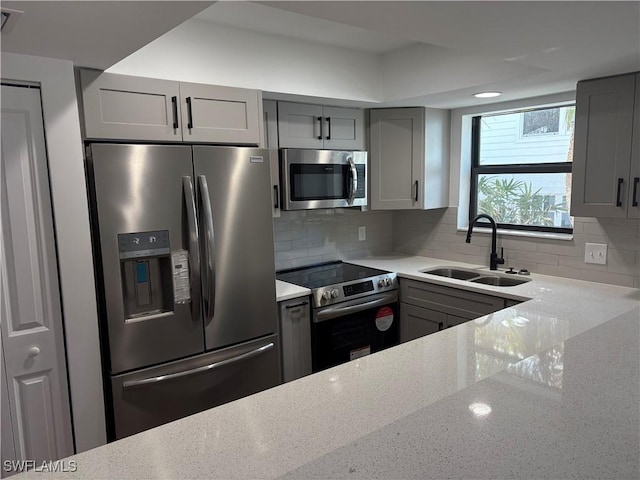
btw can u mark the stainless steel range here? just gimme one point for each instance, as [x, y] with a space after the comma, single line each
[354, 310]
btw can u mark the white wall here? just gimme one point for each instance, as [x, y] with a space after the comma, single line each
[202, 52]
[71, 216]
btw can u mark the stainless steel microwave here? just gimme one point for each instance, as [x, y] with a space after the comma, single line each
[322, 178]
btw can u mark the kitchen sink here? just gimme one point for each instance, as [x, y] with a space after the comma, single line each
[476, 276]
[499, 281]
[456, 273]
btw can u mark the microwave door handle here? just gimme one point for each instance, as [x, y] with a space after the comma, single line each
[353, 182]
[210, 251]
[194, 247]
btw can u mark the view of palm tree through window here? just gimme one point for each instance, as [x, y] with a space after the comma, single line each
[522, 167]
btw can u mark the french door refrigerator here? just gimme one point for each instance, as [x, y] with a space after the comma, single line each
[183, 240]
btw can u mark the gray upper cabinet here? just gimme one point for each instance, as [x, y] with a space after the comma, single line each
[123, 107]
[218, 114]
[320, 127]
[409, 150]
[606, 160]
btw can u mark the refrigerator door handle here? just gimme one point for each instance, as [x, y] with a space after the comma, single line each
[204, 368]
[194, 247]
[209, 251]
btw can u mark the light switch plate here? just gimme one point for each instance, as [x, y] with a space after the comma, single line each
[362, 233]
[595, 253]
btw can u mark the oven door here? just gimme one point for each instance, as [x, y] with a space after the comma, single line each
[353, 329]
[323, 179]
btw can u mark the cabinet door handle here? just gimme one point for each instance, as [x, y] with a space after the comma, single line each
[634, 202]
[276, 197]
[328, 128]
[189, 114]
[174, 106]
[320, 122]
[618, 200]
[416, 197]
[302, 304]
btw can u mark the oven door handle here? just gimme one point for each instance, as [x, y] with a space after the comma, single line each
[335, 312]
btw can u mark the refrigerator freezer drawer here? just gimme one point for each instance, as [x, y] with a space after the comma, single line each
[151, 397]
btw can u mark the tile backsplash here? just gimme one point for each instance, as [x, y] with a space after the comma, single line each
[312, 236]
[434, 233]
[305, 237]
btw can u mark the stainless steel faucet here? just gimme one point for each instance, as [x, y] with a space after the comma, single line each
[494, 260]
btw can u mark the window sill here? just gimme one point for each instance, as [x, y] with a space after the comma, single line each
[523, 234]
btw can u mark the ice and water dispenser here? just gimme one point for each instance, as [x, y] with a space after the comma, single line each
[153, 277]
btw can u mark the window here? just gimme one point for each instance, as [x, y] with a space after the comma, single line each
[521, 168]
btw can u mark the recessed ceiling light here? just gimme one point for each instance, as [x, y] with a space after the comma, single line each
[487, 94]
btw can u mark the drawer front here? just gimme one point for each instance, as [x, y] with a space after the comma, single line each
[448, 300]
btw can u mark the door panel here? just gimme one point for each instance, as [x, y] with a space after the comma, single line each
[396, 158]
[220, 114]
[140, 196]
[344, 128]
[604, 115]
[31, 326]
[123, 107]
[238, 371]
[243, 269]
[299, 125]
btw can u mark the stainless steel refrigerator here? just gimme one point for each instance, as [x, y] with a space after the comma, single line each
[183, 240]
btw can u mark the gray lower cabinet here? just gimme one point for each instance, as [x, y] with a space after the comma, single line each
[427, 308]
[606, 158]
[124, 107]
[416, 322]
[320, 127]
[295, 337]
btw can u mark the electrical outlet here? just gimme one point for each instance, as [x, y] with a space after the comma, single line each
[362, 233]
[595, 253]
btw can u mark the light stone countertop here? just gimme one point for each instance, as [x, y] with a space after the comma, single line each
[548, 388]
[288, 291]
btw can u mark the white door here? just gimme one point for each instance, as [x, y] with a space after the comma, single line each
[31, 318]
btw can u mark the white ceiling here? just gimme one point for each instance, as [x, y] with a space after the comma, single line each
[92, 34]
[524, 48]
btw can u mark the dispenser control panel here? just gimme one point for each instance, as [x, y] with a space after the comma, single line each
[143, 244]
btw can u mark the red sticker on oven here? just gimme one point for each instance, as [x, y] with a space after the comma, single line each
[384, 319]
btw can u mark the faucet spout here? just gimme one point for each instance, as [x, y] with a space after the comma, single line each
[494, 260]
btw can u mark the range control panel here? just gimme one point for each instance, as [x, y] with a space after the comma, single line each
[345, 291]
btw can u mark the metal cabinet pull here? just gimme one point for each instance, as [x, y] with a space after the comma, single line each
[618, 200]
[174, 107]
[204, 368]
[328, 128]
[634, 199]
[416, 197]
[189, 114]
[276, 197]
[320, 122]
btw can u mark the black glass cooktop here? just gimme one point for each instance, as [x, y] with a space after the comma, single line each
[324, 274]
